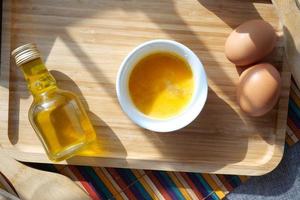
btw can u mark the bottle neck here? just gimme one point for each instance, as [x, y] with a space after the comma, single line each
[38, 78]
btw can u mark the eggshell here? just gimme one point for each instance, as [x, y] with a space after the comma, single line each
[258, 89]
[250, 42]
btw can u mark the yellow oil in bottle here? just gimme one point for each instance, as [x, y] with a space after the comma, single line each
[57, 116]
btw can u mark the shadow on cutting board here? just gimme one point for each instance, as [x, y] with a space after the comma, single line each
[227, 11]
[100, 147]
[67, 14]
[205, 143]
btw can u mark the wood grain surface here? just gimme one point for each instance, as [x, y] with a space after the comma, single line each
[289, 12]
[83, 44]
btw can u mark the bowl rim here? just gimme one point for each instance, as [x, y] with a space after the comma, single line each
[190, 112]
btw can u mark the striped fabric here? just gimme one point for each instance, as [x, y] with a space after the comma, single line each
[116, 183]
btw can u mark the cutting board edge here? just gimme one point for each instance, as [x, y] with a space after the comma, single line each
[232, 168]
[4, 71]
[5, 46]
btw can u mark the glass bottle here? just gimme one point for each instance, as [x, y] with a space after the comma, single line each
[57, 116]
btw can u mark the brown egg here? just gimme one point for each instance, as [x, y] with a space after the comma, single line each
[250, 42]
[258, 89]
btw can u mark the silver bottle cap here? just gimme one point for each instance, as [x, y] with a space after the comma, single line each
[25, 53]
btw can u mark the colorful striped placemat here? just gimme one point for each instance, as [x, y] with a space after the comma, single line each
[117, 183]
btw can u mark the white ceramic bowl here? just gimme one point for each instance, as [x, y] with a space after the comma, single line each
[191, 111]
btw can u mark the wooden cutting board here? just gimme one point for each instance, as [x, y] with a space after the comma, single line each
[84, 42]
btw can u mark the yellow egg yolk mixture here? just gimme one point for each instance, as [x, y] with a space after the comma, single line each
[161, 85]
